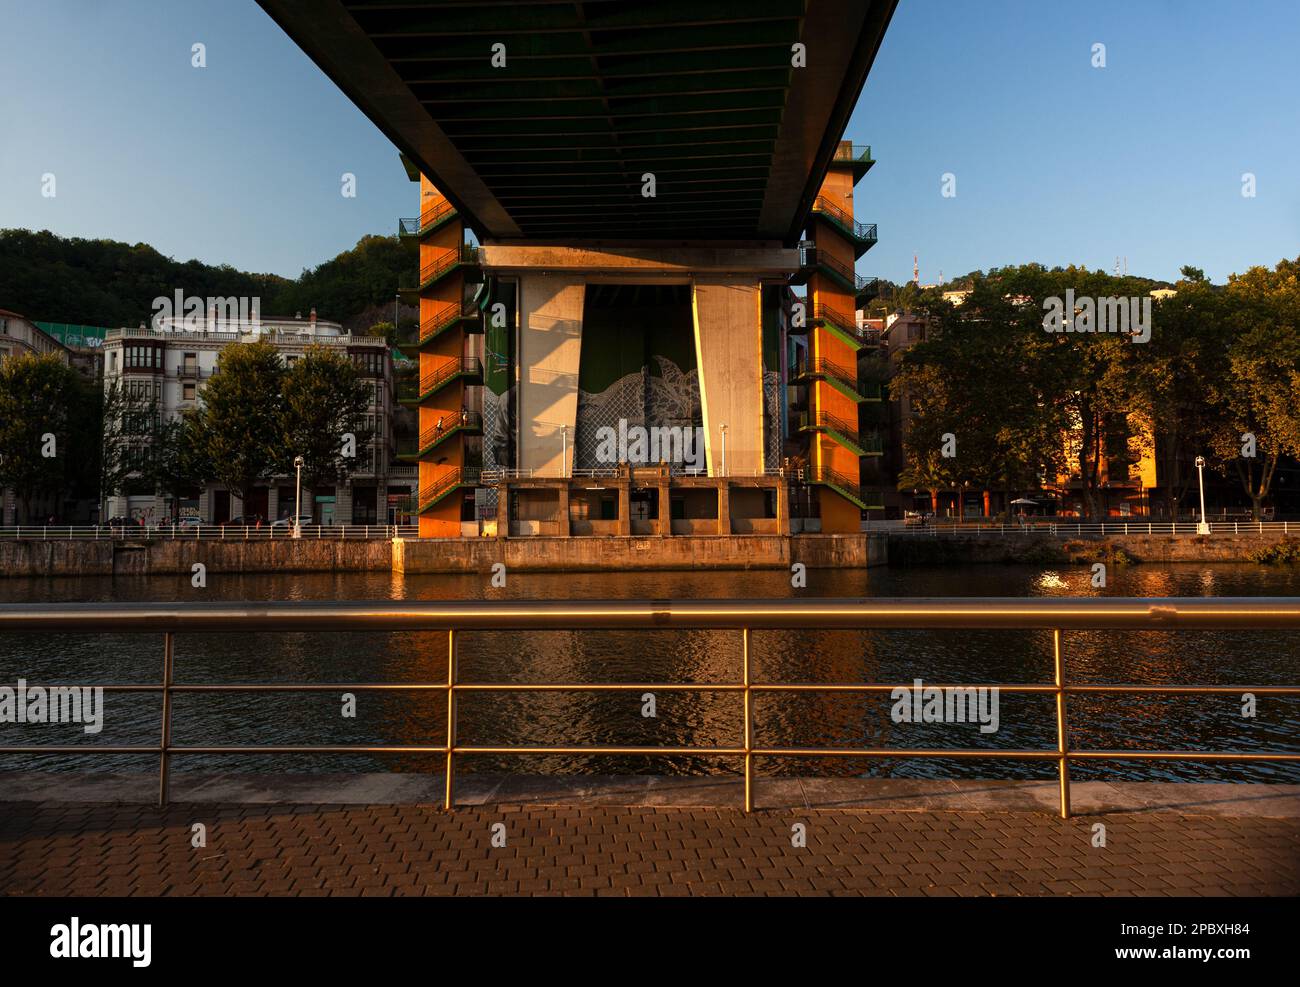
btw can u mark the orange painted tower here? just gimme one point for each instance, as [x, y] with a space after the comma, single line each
[447, 342]
[836, 443]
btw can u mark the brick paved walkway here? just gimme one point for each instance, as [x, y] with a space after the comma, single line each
[405, 849]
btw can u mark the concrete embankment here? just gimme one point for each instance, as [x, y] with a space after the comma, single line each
[644, 553]
[35, 558]
[1048, 549]
[167, 557]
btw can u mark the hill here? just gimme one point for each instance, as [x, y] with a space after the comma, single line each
[108, 283]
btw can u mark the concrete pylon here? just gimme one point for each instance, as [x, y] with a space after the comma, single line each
[550, 353]
[729, 354]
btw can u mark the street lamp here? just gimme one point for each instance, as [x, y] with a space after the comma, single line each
[723, 426]
[298, 463]
[1203, 528]
[564, 450]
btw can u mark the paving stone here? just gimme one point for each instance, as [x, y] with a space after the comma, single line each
[62, 849]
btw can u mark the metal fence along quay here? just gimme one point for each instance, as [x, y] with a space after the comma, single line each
[1063, 528]
[204, 532]
[746, 617]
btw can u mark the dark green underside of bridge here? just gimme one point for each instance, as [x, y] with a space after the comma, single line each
[596, 94]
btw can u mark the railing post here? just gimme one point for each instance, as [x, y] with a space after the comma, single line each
[749, 723]
[449, 797]
[1062, 725]
[164, 756]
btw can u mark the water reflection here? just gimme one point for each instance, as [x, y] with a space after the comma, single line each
[683, 719]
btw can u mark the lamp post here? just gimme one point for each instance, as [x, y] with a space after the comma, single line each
[1203, 528]
[723, 426]
[298, 463]
[564, 450]
[397, 301]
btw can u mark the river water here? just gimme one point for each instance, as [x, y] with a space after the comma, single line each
[682, 719]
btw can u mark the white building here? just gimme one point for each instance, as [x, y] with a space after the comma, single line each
[172, 363]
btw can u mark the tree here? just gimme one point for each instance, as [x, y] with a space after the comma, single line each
[179, 456]
[38, 399]
[324, 401]
[386, 330]
[242, 421]
[126, 424]
[1257, 402]
[1173, 377]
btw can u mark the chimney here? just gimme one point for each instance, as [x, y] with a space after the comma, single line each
[313, 316]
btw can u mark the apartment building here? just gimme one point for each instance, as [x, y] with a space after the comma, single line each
[170, 364]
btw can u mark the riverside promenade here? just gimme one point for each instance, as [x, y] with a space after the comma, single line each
[386, 835]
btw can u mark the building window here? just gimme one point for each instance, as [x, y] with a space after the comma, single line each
[187, 392]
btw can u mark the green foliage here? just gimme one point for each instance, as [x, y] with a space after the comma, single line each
[257, 416]
[43, 404]
[1028, 407]
[1284, 552]
[108, 283]
[383, 330]
[1257, 390]
[324, 400]
[1090, 551]
[179, 455]
[243, 416]
[353, 282]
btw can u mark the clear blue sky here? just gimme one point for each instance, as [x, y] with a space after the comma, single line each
[1055, 161]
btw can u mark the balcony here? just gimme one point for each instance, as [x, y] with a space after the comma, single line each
[867, 289]
[468, 422]
[428, 221]
[440, 266]
[841, 378]
[845, 328]
[846, 487]
[439, 322]
[469, 370]
[855, 156]
[457, 479]
[863, 235]
[844, 432]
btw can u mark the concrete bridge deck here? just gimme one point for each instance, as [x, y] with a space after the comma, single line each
[384, 835]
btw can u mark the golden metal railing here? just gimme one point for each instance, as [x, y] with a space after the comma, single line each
[1056, 615]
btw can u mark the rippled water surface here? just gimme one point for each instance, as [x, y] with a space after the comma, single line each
[683, 719]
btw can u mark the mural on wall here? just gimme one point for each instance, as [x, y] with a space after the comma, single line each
[637, 366]
[499, 390]
[666, 399]
[772, 395]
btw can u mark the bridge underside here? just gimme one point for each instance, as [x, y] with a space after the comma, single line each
[541, 119]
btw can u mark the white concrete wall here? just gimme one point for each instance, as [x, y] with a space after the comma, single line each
[550, 348]
[729, 351]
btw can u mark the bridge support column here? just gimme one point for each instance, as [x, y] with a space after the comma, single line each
[503, 509]
[564, 529]
[550, 348]
[729, 354]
